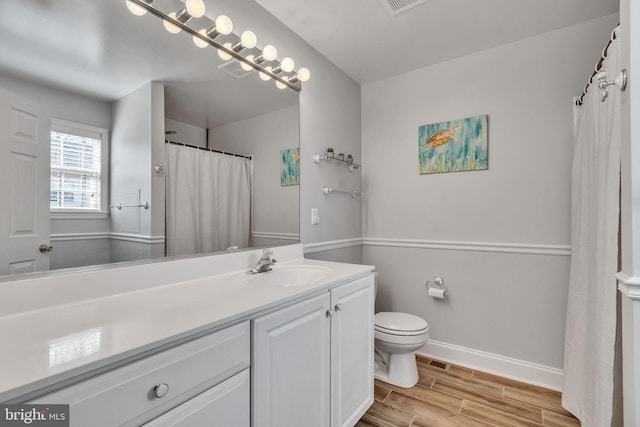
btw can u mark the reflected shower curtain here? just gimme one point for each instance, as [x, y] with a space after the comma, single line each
[208, 205]
[590, 334]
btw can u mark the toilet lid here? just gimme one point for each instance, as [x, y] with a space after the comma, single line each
[399, 322]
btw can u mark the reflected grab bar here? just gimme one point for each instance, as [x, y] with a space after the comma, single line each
[353, 193]
[119, 207]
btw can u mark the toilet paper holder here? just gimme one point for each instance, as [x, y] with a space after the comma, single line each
[437, 281]
[436, 288]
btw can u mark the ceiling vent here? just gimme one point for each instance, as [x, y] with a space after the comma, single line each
[394, 7]
[234, 68]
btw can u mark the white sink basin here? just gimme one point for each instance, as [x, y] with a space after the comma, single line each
[288, 275]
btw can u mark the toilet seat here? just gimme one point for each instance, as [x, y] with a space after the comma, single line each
[401, 324]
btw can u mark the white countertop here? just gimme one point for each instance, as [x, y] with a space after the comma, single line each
[43, 345]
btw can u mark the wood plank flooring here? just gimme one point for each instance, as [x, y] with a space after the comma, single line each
[453, 396]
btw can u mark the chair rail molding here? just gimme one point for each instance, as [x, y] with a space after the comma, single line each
[629, 285]
[461, 245]
[329, 245]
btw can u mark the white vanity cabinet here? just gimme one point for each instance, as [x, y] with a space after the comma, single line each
[206, 378]
[313, 361]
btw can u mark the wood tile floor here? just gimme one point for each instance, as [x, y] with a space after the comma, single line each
[454, 396]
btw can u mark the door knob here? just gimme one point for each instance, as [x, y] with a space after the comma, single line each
[44, 248]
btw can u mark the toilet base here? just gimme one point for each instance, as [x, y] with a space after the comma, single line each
[400, 369]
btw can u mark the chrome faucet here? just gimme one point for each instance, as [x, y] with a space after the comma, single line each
[265, 263]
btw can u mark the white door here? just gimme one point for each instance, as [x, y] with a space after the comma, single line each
[352, 355]
[290, 366]
[24, 184]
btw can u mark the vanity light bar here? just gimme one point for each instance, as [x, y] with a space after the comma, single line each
[282, 81]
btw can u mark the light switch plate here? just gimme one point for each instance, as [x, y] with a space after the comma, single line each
[315, 217]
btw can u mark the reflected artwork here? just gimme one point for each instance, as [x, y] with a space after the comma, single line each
[290, 167]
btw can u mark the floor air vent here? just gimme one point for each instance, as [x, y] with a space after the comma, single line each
[395, 7]
[437, 364]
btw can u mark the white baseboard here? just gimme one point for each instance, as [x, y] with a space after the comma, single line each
[520, 370]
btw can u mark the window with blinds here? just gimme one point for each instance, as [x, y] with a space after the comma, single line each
[76, 165]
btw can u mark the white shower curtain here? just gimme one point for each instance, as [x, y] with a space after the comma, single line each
[208, 205]
[590, 334]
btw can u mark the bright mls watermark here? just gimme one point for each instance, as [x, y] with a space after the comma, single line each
[34, 415]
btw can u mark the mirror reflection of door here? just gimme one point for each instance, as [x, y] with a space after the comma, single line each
[24, 184]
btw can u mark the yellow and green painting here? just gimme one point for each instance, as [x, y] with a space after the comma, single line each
[290, 167]
[457, 145]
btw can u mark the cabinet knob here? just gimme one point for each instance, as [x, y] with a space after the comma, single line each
[338, 307]
[161, 390]
[329, 313]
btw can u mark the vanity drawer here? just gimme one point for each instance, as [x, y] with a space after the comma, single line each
[142, 390]
[228, 404]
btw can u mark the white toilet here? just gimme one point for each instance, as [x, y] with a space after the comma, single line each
[397, 337]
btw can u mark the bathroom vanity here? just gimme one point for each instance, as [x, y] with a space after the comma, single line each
[194, 342]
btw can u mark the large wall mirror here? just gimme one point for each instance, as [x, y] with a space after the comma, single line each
[122, 142]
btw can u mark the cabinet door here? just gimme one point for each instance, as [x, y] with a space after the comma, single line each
[291, 356]
[352, 355]
[226, 404]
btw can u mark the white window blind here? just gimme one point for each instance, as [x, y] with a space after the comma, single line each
[75, 169]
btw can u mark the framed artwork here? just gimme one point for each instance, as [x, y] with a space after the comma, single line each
[290, 167]
[454, 146]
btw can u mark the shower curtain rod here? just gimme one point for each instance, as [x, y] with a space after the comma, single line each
[598, 66]
[209, 149]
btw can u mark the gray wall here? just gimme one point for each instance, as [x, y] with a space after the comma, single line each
[630, 211]
[329, 117]
[186, 133]
[275, 207]
[500, 238]
[137, 143]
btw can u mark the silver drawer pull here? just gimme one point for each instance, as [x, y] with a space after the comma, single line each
[338, 307]
[161, 390]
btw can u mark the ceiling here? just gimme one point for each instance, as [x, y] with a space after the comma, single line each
[99, 49]
[369, 44]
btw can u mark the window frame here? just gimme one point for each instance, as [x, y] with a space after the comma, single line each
[79, 129]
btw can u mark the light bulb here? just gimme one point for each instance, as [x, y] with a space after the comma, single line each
[304, 74]
[269, 53]
[224, 55]
[246, 66]
[287, 65]
[170, 26]
[195, 8]
[198, 41]
[248, 39]
[265, 77]
[224, 25]
[280, 85]
[136, 9]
